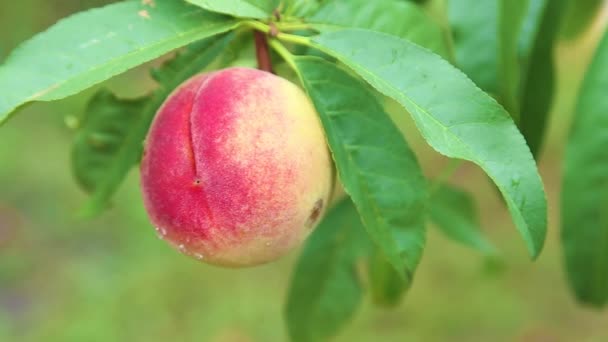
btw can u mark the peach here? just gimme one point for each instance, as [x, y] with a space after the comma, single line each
[236, 170]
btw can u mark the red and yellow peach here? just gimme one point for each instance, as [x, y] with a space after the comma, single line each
[236, 170]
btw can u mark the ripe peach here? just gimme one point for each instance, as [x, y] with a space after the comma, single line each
[236, 170]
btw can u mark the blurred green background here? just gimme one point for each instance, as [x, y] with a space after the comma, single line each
[112, 279]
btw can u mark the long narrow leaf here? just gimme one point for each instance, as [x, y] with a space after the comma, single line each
[454, 116]
[475, 30]
[399, 18]
[92, 46]
[584, 204]
[386, 285]
[259, 9]
[101, 134]
[375, 164]
[538, 80]
[511, 19]
[325, 290]
[579, 16]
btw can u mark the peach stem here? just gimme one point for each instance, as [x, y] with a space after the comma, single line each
[262, 51]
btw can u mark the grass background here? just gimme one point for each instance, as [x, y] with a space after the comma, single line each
[112, 279]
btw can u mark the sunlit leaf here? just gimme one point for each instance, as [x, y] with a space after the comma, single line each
[92, 46]
[454, 116]
[301, 8]
[399, 18]
[260, 9]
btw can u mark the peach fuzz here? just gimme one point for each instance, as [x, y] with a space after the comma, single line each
[236, 170]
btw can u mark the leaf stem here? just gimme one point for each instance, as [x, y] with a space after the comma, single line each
[284, 53]
[256, 25]
[259, 26]
[294, 26]
[305, 41]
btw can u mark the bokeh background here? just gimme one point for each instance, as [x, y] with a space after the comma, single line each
[112, 279]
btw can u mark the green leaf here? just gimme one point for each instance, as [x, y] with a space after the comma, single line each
[475, 31]
[585, 188]
[530, 28]
[510, 20]
[386, 285]
[579, 16]
[92, 46]
[374, 162]
[454, 116]
[454, 213]
[325, 290]
[259, 9]
[101, 133]
[301, 8]
[538, 80]
[398, 18]
[239, 52]
[192, 61]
